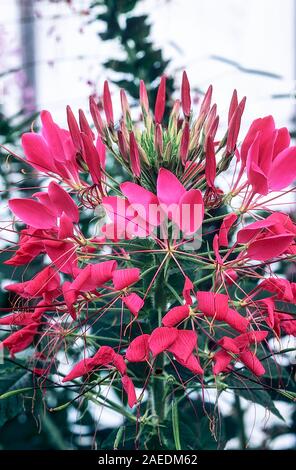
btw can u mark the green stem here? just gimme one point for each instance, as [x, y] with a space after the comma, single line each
[240, 422]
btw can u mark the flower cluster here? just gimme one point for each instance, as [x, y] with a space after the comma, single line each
[183, 309]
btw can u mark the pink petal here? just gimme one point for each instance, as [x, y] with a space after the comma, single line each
[62, 254]
[129, 388]
[119, 363]
[252, 337]
[92, 159]
[123, 278]
[191, 212]
[212, 304]
[143, 201]
[37, 152]
[222, 360]
[83, 367]
[101, 149]
[63, 202]
[18, 319]
[93, 276]
[138, 350]
[269, 247]
[187, 289]
[234, 319]
[46, 280]
[287, 323]
[251, 230]
[229, 344]
[282, 141]
[169, 188]
[184, 345]
[66, 229]
[134, 303]
[104, 356]
[176, 315]
[53, 135]
[283, 169]
[226, 225]
[252, 362]
[256, 176]
[264, 125]
[192, 364]
[70, 297]
[21, 339]
[32, 213]
[161, 339]
[102, 272]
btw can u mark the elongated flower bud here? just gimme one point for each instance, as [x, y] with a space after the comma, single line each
[206, 102]
[210, 169]
[108, 108]
[122, 144]
[211, 117]
[92, 159]
[84, 126]
[234, 127]
[185, 96]
[125, 107]
[96, 115]
[160, 101]
[184, 145]
[144, 98]
[74, 129]
[158, 140]
[174, 117]
[134, 156]
[233, 105]
[213, 128]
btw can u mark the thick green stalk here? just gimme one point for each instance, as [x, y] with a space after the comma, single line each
[240, 422]
[158, 383]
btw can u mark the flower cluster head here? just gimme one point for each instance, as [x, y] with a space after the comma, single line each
[176, 266]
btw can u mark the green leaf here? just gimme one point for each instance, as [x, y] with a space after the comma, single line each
[254, 393]
[13, 382]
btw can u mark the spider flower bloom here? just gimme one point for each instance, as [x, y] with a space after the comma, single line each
[238, 349]
[43, 213]
[267, 238]
[216, 306]
[46, 283]
[52, 151]
[104, 357]
[21, 339]
[268, 157]
[181, 343]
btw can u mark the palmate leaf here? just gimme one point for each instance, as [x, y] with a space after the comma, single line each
[15, 380]
[253, 393]
[196, 431]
